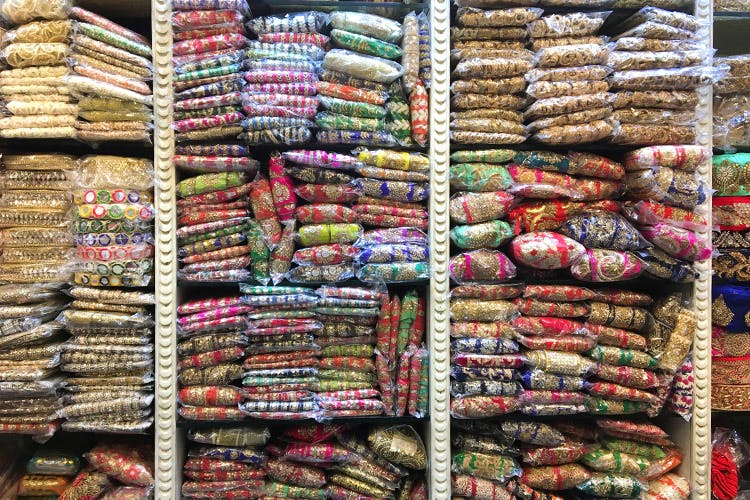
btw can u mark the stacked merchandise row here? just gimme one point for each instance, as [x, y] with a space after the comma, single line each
[85, 222]
[312, 233]
[552, 380]
[109, 358]
[306, 461]
[730, 225]
[302, 353]
[76, 232]
[267, 90]
[731, 106]
[569, 86]
[110, 470]
[34, 270]
[71, 73]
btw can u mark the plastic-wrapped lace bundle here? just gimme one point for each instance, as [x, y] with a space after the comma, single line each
[38, 98]
[392, 206]
[347, 385]
[327, 225]
[488, 48]
[109, 358]
[658, 63]
[34, 238]
[572, 103]
[281, 364]
[212, 341]
[732, 102]
[207, 55]
[360, 84]
[35, 246]
[110, 72]
[30, 383]
[282, 66]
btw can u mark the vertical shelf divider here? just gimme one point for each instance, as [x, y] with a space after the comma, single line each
[700, 434]
[166, 460]
[439, 306]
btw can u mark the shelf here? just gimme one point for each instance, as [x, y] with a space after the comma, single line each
[113, 9]
[731, 16]
[72, 146]
[394, 9]
[198, 424]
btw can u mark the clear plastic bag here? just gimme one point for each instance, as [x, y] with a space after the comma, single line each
[582, 73]
[688, 78]
[361, 66]
[642, 60]
[491, 68]
[473, 17]
[561, 25]
[668, 17]
[300, 22]
[572, 56]
[562, 105]
[24, 11]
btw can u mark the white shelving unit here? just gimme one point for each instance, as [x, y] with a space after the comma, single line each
[694, 438]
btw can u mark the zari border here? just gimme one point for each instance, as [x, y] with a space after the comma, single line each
[165, 434]
[439, 435]
[700, 434]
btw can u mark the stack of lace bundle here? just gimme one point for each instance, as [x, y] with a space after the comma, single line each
[605, 352]
[55, 61]
[228, 460]
[730, 199]
[35, 88]
[657, 61]
[393, 194]
[30, 382]
[355, 109]
[514, 458]
[111, 354]
[305, 461]
[110, 71]
[401, 359]
[35, 201]
[281, 363]
[211, 346]
[572, 102]
[207, 58]
[347, 384]
[328, 226]
[280, 96]
[662, 182]
[360, 84]
[113, 221]
[488, 80]
[109, 360]
[731, 104]
[218, 239]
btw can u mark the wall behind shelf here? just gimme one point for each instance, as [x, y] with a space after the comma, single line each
[730, 34]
